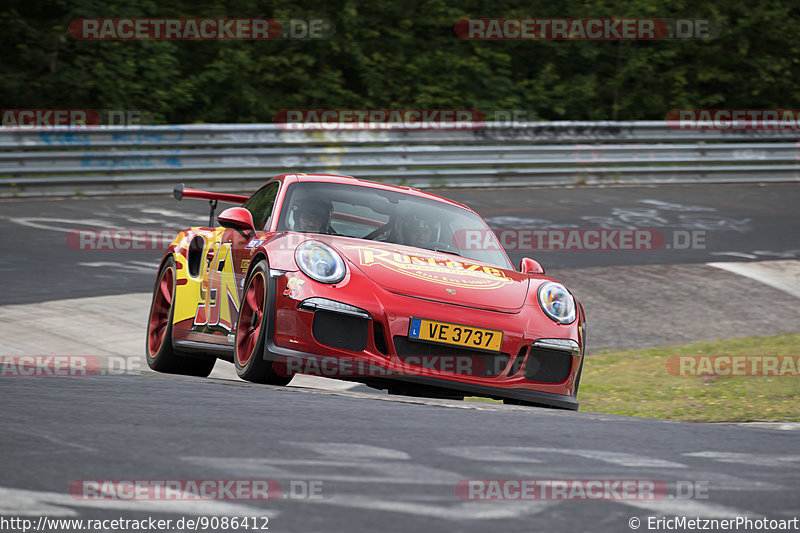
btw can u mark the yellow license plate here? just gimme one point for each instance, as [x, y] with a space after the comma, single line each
[422, 329]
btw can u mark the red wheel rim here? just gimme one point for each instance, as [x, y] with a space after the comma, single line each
[159, 316]
[250, 318]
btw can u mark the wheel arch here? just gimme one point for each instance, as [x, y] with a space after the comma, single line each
[257, 257]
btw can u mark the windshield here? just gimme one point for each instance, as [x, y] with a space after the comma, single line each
[387, 216]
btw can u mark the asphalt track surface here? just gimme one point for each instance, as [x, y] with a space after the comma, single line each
[381, 462]
[377, 465]
[737, 222]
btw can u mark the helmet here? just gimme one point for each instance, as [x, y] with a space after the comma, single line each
[417, 230]
[312, 214]
[415, 223]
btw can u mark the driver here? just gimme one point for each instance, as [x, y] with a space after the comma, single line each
[312, 215]
[417, 231]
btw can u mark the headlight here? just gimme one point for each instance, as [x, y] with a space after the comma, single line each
[557, 303]
[320, 262]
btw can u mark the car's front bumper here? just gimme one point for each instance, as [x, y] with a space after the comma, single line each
[374, 348]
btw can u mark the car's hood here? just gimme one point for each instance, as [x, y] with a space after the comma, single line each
[435, 276]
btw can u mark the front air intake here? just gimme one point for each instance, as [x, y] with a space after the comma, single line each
[340, 331]
[547, 365]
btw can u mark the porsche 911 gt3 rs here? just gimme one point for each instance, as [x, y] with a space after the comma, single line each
[351, 279]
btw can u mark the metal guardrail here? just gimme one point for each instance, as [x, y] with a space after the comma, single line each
[112, 160]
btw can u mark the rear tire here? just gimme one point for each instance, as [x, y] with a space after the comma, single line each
[251, 331]
[161, 355]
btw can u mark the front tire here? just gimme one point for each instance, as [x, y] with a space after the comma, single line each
[251, 331]
[161, 355]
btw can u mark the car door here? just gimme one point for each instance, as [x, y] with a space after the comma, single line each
[226, 264]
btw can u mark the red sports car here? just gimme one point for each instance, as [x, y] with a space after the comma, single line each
[350, 279]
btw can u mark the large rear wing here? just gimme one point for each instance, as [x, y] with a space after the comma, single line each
[180, 192]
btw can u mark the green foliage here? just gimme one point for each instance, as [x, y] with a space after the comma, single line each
[399, 54]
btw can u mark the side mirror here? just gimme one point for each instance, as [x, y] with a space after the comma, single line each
[237, 218]
[529, 266]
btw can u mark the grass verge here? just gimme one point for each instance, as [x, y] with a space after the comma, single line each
[638, 383]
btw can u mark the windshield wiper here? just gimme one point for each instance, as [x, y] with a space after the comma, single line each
[445, 251]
